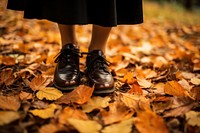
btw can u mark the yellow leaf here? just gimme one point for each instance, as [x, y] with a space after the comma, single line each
[193, 118]
[128, 78]
[124, 126]
[45, 113]
[149, 122]
[7, 117]
[71, 113]
[49, 93]
[195, 81]
[85, 126]
[39, 82]
[96, 103]
[49, 128]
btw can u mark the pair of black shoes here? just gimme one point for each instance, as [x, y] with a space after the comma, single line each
[67, 74]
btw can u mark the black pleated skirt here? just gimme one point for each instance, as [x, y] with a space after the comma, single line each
[101, 12]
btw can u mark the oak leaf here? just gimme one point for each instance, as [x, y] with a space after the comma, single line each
[7, 117]
[45, 113]
[50, 93]
[79, 95]
[39, 82]
[85, 126]
[96, 103]
[149, 122]
[10, 103]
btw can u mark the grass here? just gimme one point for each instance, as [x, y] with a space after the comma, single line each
[170, 12]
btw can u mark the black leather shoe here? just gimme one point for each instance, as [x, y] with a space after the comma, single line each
[98, 73]
[67, 73]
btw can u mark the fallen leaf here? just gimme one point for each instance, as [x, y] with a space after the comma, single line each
[128, 78]
[49, 93]
[149, 122]
[195, 92]
[117, 112]
[174, 88]
[79, 95]
[85, 126]
[124, 126]
[179, 110]
[144, 83]
[96, 102]
[49, 128]
[7, 117]
[39, 82]
[193, 118]
[71, 113]
[8, 61]
[7, 76]
[135, 89]
[45, 113]
[25, 95]
[195, 81]
[10, 103]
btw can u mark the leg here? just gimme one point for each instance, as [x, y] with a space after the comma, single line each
[99, 37]
[67, 73]
[98, 72]
[67, 33]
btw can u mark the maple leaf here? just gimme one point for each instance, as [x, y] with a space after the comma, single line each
[45, 113]
[39, 82]
[149, 122]
[79, 95]
[96, 102]
[50, 93]
[10, 103]
[8, 116]
[85, 126]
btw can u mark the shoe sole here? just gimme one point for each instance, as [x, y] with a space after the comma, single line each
[70, 88]
[106, 91]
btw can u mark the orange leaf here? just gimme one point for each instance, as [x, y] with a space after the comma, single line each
[8, 61]
[7, 77]
[149, 122]
[79, 95]
[174, 88]
[39, 82]
[25, 95]
[128, 78]
[9, 103]
[135, 89]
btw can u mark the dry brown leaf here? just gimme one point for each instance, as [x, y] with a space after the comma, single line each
[144, 83]
[39, 82]
[179, 110]
[71, 113]
[49, 93]
[10, 103]
[85, 126]
[149, 122]
[8, 61]
[7, 77]
[25, 95]
[96, 102]
[79, 95]
[195, 81]
[117, 112]
[175, 89]
[7, 117]
[195, 92]
[124, 126]
[45, 113]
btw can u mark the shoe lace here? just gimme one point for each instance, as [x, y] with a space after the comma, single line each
[98, 62]
[67, 56]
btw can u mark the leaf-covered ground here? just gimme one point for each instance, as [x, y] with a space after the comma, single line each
[156, 68]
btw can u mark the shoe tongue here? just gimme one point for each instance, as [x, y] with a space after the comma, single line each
[97, 52]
